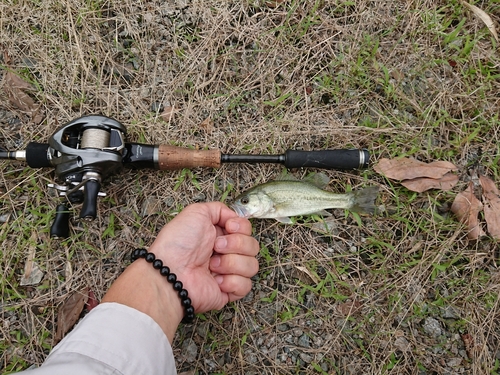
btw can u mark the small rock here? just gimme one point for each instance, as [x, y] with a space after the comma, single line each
[190, 350]
[150, 206]
[148, 17]
[297, 332]
[449, 312]
[432, 327]
[307, 358]
[402, 344]
[199, 197]
[327, 226]
[202, 329]
[454, 362]
[156, 107]
[304, 341]
[283, 327]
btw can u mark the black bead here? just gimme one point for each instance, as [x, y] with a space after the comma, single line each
[150, 258]
[171, 278]
[135, 254]
[177, 286]
[165, 271]
[188, 318]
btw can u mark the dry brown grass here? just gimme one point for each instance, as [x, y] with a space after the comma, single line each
[386, 75]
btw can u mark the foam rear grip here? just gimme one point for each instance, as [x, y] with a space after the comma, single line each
[328, 159]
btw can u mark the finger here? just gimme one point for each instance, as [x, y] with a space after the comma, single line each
[218, 212]
[236, 244]
[233, 264]
[239, 225]
[235, 286]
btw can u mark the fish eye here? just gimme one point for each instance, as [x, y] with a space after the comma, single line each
[244, 200]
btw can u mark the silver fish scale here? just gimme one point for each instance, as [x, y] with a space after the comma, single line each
[293, 198]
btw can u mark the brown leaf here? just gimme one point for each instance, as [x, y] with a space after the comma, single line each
[92, 301]
[406, 168]
[491, 201]
[467, 207]
[167, 113]
[207, 125]
[16, 82]
[16, 90]
[69, 312]
[447, 182]
[469, 343]
[32, 272]
[349, 308]
[308, 273]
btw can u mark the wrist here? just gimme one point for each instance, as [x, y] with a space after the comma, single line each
[142, 287]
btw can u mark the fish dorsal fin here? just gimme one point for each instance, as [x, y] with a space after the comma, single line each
[320, 180]
[285, 176]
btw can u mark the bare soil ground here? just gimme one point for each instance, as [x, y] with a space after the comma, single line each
[403, 292]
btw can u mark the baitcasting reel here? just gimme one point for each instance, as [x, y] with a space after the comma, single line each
[83, 152]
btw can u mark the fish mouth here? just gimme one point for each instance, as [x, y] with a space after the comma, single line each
[240, 211]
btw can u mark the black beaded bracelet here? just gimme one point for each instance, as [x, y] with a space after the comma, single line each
[171, 278]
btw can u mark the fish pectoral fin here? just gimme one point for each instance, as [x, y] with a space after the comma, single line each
[285, 220]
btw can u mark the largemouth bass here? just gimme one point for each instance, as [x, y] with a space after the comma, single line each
[282, 199]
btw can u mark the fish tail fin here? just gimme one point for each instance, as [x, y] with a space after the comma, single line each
[364, 200]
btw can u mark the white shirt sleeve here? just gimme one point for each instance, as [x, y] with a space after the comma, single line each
[111, 339]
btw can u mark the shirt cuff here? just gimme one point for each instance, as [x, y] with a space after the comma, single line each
[122, 338]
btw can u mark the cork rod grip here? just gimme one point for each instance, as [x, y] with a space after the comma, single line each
[172, 157]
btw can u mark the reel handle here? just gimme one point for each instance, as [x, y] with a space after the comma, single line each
[90, 193]
[60, 226]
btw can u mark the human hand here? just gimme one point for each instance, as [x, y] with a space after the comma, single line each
[211, 251]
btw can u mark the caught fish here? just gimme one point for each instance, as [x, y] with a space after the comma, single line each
[282, 199]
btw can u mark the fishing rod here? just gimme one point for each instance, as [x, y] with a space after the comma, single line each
[89, 149]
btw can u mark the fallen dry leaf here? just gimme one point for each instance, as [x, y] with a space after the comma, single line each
[447, 182]
[468, 343]
[308, 273]
[207, 125]
[467, 207]
[16, 90]
[32, 272]
[491, 202]
[407, 168]
[168, 113]
[92, 301]
[349, 308]
[69, 312]
[484, 17]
